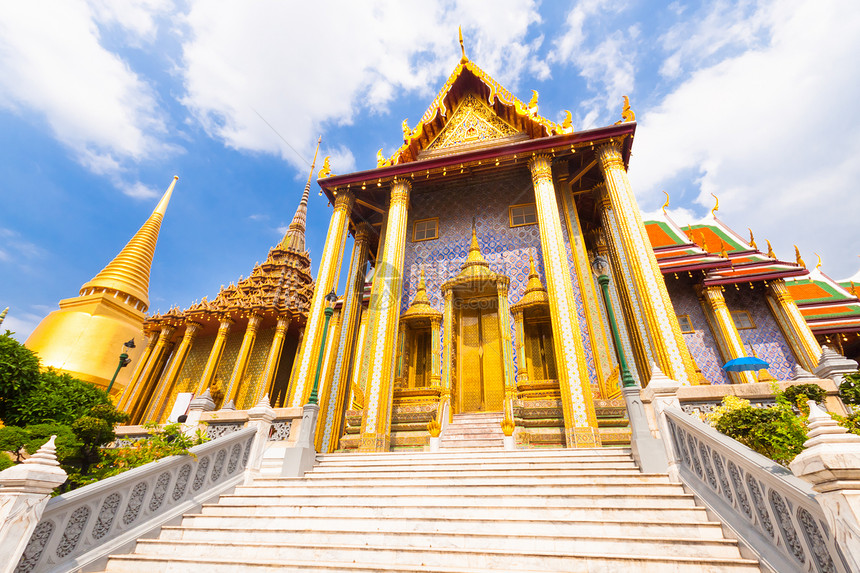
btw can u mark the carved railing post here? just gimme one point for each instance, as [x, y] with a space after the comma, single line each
[831, 462]
[833, 365]
[24, 492]
[200, 404]
[259, 417]
[660, 393]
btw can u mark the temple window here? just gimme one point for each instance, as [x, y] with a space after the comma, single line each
[425, 229]
[686, 323]
[743, 319]
[524, 214]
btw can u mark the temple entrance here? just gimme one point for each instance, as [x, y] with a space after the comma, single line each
[480, 368]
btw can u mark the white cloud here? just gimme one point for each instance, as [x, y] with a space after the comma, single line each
[140, 191]
[90, 98]
[21, 324]
[762, 130]
[301, 66]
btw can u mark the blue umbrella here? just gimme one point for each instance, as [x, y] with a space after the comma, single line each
[745, 363]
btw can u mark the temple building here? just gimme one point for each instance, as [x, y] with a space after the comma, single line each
[87, 334]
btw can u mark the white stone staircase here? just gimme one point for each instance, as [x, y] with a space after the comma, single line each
[477, 430]
[463, 511]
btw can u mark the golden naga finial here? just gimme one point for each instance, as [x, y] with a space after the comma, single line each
[798, 258]
[406, 130]
[463, 59]
[704, 242]
[567, 124]
[723, 253]
[770, 252]
[716, 206]
[666, 204]
[627, 114]
[752, 239]
[534, 101]
[818, 264]
[326, 168]
[380, 159]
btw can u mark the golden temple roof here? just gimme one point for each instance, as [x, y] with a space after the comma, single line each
[128, 272]
[535, 293]
[420, 307]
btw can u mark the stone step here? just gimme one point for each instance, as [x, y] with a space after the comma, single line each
[426, 511]
[476, 541]
[565, 499]
[461, 465]
[401, 457]
[456, 480]
[447, 472]
[509, 526]
[438, 557]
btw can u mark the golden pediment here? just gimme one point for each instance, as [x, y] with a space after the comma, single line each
[471, 123]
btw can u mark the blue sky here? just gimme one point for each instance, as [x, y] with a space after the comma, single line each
[102, 102]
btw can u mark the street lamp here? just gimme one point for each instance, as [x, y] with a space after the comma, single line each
[601, 268]
[124, 361]
[330, 299]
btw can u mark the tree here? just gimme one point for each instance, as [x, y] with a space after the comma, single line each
[12, 439]
[19, 371]
[55, 397]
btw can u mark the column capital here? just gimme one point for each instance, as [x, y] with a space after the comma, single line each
[540, 166]
[435, 321]
[609, 155]
[191, 329]
[400, 189]
[283, 323]
[363, 233]
[712, 294]
[224, 324]
[254, 321]
[344, 201]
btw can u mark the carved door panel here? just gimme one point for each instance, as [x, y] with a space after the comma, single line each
[480, 374]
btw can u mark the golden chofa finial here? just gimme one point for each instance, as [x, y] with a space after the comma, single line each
[770, 252]
[326, 168]
[567, 124]
[627, 114]
[716, 206]
[818, 264]
[752, 239]
[666, 204]
[798, 258]
[463, 58]
[534, 101]
[380, 159]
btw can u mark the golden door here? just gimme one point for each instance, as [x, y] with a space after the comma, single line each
[479, 357]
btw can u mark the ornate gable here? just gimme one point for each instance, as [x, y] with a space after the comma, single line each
[472, 123]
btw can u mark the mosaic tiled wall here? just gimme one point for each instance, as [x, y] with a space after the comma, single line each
[192, 370]
[505, 248]
[256, 364]
[701, 343]
[766, 338]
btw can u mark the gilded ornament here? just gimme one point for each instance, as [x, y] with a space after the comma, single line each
[666, 204]
[406, 130]
[326, 168]
[752, 240]
[818, 265]
[567, 124]
[533, 103]
[627, 114]
[380, 159]
[463, 58]
[716, 206]
[798, 258]
[770, 252]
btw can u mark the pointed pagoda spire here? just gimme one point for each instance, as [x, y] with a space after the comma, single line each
[3, 314]
[421, 306]
[294, 240]
[128, 273]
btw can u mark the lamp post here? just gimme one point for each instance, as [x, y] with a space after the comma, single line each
[601, 267]
[330, 299]
[124, 361]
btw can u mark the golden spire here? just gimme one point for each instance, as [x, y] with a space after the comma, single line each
[421, 292]
[534, 278]
[716, 206]
[752, 239]
[475, 255]
[463, 59]
[294, 240]
[535, 292]
[666, 204]
[475, 263]
[798, 258]
[421, 307]
[3, 314]
[128, 273]
[770, 252]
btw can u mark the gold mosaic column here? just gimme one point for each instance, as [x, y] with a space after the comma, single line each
[724, 329]
[385, 305]
[794, 328]
[214, 355]
[270, 370]
[522, 368]
[580, 420]
[435, 375]
[327, 278]
[332, 409]
[507, 358]
[667, 342]
[447, 355]
[138, 373]
[168, 381]
[138, 401]
[242, 359]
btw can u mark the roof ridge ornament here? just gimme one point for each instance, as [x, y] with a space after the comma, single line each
[770, 252]
[627, 114]
[666, 204]
[752, 239]
[716, 206]
[798, 258]
[463, 58]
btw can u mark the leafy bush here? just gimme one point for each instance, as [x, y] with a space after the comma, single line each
[813, 392]
[849, 390]
[12, 439]
[19, 371]
[167, 441]
[850, 422]
[776, 433]
[55, 397]
[5, 461]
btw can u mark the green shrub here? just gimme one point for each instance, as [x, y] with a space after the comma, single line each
[813, 392]
[850, 422]
[776, 433]
[5, 461]
[849, 390]
[12, 439]
[161, 443]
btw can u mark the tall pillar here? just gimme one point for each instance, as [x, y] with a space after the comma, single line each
[243, 357]
[139, 400]
[580, 420]
[435, 358]
[214, 355]
[332, 410]
[270, 371]
[794, 328]
[327, 278]
[385, 305]
[724, 329]
[168, 381]
[507, 356]
[667, 342]
[138, 373]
